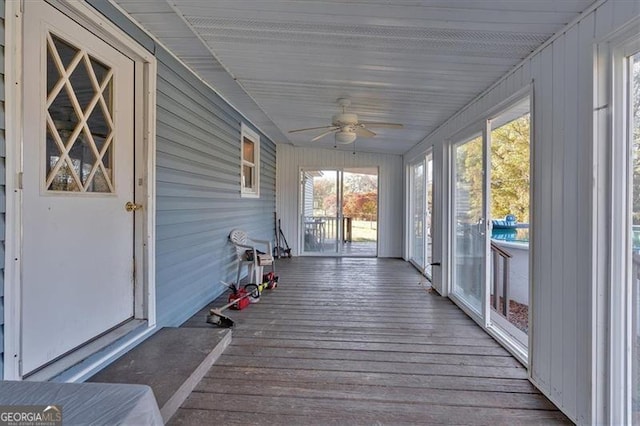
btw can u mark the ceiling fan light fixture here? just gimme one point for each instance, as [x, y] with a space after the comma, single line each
[344, 119]
[346, 126]
[344, 138]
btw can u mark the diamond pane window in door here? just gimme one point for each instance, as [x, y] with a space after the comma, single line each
[80, 125]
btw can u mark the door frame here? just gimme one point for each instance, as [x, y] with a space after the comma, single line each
[339, 206]
[410, 217]
[482, 126]
[500, 333]
[470, 132]
[145, 67]
[427, 268]
[615, 304]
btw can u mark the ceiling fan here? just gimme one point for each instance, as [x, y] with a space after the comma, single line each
[347, 127]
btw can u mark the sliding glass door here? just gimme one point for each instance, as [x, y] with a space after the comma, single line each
[509, 158]
[469, 224]
[421, 204]
[320, 211]
[490, 225]
[339, 212]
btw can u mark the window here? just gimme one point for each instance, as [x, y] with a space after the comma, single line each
[624, 255]
[80, 120]
[250, 161]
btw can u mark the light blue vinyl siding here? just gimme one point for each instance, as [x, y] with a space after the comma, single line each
[197, 185]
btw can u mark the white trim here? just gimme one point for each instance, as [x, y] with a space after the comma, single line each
[466, 308]
[468, 134]
[410, 214]
[110, 356]
[145, 64]
[513, 339]
[246, 132]
[486, 206]
[510, 343]
[429, 187]
[532, 226]
[406, 251]
[409, 217]
[13, 217]
[463, 135]
[446, 216]
[614, 380]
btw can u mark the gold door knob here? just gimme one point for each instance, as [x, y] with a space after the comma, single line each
[132, 207]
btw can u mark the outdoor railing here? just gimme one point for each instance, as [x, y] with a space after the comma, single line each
[325, 228]
[498, 254]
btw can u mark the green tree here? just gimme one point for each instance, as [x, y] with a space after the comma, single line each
[510, 171]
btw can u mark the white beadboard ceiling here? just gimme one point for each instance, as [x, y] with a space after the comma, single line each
[283, 63]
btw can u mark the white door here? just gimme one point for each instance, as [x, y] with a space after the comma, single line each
[77, 258]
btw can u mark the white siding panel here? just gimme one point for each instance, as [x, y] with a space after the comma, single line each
[622, 11]
[585, 222]
[390, 196]
[563, 220]
[557, 253]
[544, 227]
[604, 16]
[569, 211]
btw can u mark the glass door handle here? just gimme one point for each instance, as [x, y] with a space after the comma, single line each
[480, 224]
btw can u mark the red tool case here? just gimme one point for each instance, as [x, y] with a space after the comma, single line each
[241, 304]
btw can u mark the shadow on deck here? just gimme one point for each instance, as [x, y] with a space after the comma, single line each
[360, 341]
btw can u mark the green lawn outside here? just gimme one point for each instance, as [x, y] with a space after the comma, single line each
[364, 230]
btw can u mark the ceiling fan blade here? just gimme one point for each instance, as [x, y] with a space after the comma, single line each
[312, 128]
[323, 134]
[382, 125]
[365, 133]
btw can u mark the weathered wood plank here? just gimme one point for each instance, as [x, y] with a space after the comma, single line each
[370, 355]
[344, 341]
[201, 417]
[374, 366]
[460, 329]
[365, 411]
[328, 329]
[363, 315]
[389, 380]
[370, 346]
[232, 386]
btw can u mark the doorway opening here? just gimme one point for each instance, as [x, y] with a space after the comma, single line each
[509, 156]
[87, 110]
[339, 212]
[490, 228]
[421, 208]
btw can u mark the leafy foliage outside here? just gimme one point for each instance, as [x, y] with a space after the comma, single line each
[360, 196]
[510, 171]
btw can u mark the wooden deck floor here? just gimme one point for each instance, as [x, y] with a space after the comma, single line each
[359, 341]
